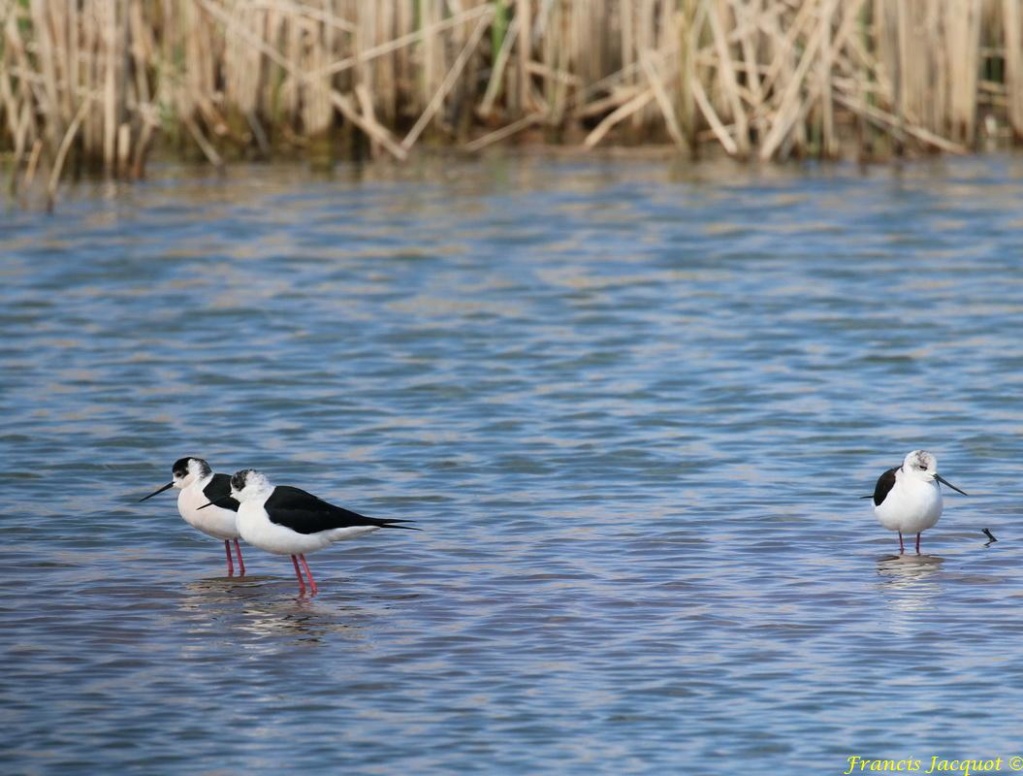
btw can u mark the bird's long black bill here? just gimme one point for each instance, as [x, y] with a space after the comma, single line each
[157, 492]
[215, 502]
[943, 481]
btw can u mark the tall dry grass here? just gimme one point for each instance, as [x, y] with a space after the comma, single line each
[98, 84]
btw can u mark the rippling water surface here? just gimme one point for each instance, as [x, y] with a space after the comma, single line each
[632, 406]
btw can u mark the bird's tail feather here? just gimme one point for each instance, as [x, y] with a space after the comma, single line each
[398, 524]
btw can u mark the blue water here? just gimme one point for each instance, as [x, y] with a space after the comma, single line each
[633, 407]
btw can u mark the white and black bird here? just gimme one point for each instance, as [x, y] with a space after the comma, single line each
[289, 521]
[199, 485]
[907, 498]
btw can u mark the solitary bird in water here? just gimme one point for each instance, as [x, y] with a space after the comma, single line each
[199, 485]
[908, 498]
[288, 521]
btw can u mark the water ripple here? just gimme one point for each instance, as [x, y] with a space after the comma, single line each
[632, 408]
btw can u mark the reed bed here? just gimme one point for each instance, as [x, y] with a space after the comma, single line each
[97, 85]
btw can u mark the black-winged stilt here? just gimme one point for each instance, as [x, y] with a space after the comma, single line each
[289, 521]
[907, 498]
[199, 485]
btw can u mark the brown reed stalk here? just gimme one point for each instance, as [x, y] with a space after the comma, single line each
[242, 61]
[963, 45]
[825, 68]
[315, 54]
[46, 62]
[727, 76]
[14, 102]
[497, 75]
[372, 129]
[627, 39]
[33, 162]
[623, 112]
[437, 99]
[62, 151]
[506, 132]
[663, 100]
[688, 44]
[1013, 30]
[521, 98]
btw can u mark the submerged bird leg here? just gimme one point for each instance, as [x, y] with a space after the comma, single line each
[918, 544]
[902, 547]
[230, 565]
[301, 582]
[308, 573]
[241, 563]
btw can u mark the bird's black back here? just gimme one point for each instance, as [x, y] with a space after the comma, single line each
[305, 513]
[220, 488]
[884, 485]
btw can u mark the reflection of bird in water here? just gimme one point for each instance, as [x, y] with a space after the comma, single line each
[907, 498]
[199, 485]
[288, 521]
[908, 566]
[910, 581]
[238, 607]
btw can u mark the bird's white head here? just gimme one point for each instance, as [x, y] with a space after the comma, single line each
[185, 471]
[249, 484]
[921, 465]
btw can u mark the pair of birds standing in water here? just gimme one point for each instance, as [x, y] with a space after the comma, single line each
[279, 519]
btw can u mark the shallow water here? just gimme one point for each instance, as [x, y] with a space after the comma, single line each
[632, 406]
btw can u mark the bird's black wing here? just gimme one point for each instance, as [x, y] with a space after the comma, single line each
[218, 491]
[305, 513]
[884, 484]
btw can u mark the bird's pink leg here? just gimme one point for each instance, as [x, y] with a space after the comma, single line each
[230, 565]
[301, 582]
[902, 548]
[918, 544]
[308, 573]
[241, 563]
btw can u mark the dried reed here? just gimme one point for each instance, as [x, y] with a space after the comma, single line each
[93, 84]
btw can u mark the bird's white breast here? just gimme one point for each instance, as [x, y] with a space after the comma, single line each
[911, 506]
[213, 521]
